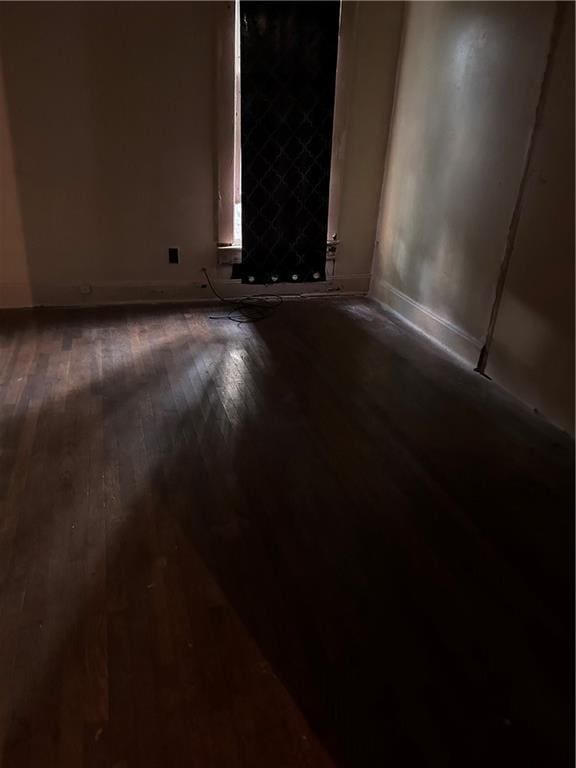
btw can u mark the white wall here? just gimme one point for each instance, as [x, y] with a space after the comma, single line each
[469, 81]
[532, 353]
[372, 83]
[468, 86]
[108, 142]
[109, 128]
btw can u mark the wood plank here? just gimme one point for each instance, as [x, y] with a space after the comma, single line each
[311, 541]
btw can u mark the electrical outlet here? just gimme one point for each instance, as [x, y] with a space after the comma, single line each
[173, 255]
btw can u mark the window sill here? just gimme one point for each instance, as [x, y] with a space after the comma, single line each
[232, 254]
[229, 254]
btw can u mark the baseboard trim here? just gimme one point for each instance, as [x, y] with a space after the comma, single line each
[103, 294]
[439, 330]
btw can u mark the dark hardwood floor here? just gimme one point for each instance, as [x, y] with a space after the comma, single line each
[313, 541]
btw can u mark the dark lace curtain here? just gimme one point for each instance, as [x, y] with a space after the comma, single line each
[288, 72]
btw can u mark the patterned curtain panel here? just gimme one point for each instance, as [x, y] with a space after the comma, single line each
[288, 75]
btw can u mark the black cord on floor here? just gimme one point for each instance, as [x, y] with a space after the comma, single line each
[250, 309]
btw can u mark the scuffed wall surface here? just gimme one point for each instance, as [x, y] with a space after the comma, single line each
[532, 353]
[469, 81]
[468, 86]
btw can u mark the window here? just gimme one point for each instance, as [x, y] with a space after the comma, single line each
[229, 129]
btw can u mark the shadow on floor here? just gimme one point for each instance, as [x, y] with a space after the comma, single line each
[391, 532]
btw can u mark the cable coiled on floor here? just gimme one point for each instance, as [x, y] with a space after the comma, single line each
[250, 309]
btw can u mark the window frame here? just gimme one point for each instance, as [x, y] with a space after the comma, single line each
[228, 128]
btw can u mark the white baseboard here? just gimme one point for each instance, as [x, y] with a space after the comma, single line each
[436, 328]
[101, 294]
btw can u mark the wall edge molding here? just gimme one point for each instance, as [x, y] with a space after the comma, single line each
[439, 330]
[21, 296]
